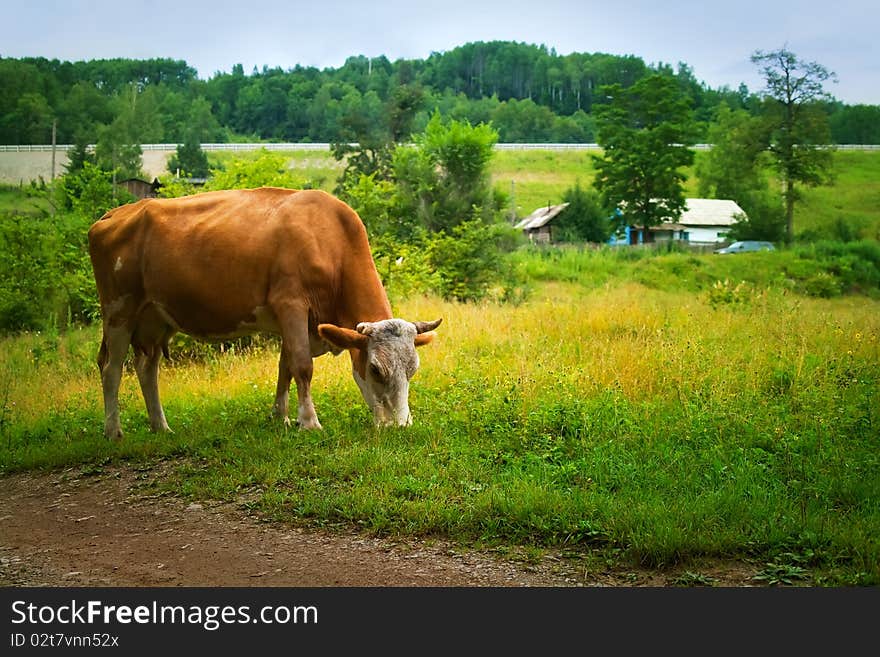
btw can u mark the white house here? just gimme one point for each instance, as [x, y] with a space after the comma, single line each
[704, 221]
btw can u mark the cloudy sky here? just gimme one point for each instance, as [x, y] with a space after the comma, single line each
[714, 38]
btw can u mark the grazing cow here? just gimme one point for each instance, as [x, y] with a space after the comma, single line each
[225, 264]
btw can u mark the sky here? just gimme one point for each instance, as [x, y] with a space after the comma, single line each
[716, 39]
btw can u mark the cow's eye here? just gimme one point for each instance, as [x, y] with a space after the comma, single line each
[377, 373]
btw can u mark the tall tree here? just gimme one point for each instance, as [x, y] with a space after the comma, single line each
[734, 168]
[798, 124]
[645, 132]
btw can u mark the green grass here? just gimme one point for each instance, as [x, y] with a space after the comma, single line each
[22, 200]
[642, 424]
[852, 200]
[539, 178]
[824, 269]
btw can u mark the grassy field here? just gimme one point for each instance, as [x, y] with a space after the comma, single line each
[637, 407]
[537, 178]
[15, 200]
[614, 421]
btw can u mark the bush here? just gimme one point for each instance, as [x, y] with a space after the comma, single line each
[727, 293]
[45, 273]
[403, 267]
[470, 261]
[854, 266]
[585, 219]
[822, 285]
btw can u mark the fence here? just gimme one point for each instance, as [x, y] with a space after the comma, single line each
[321, 146]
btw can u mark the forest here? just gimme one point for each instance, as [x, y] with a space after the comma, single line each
[529, 93]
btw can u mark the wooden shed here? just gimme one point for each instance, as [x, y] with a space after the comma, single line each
[141, 188]
[537, 225]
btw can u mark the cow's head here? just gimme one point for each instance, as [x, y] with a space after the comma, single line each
[384, 359]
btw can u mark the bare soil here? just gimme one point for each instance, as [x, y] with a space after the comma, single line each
[69, 528]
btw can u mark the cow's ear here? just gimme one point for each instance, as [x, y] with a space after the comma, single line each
[342, 337]
[425, 338]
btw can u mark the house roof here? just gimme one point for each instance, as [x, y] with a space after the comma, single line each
[155, 182]
[541, 216]
[710, 212]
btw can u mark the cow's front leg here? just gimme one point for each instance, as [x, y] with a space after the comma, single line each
[306, 417]
[146, 365]
[296, 362]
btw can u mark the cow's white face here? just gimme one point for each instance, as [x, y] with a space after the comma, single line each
[391, 361]
[386, 361]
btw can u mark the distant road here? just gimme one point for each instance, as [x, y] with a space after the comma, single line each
[22, 164]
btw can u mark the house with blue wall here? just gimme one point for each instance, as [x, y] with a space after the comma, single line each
[704, 221]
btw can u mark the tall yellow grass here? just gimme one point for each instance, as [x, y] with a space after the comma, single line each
[643, 343]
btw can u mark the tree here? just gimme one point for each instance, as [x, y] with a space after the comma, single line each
[585, 219]
[856, 124]
[118, 151]
[797, 123]
[443, 180]
[90, 191]
[734, 169]
[645, 131]
[189, 159]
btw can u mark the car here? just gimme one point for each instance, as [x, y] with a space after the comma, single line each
[747, 247]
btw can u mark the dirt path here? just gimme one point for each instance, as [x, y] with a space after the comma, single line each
[69, 529]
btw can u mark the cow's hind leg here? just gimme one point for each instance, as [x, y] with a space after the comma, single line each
[282, 390]
[146, 365]
[114, 348]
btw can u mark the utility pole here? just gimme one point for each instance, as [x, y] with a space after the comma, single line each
[513, 215]
[54, 132]
[52, 179]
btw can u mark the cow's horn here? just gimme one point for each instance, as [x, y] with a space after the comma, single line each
[424, 327]
[364, 328]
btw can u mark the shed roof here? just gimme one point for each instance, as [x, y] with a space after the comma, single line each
[541, 216]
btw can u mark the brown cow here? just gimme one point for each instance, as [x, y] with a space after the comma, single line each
[225, 264]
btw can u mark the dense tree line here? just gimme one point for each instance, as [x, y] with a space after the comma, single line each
[529, 93]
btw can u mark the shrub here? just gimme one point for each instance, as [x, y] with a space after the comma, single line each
[726, 293]
[471, 260]
[585, 219]
[45, 273]
[822, 285]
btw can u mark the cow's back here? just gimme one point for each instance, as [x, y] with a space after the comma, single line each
[213, 260]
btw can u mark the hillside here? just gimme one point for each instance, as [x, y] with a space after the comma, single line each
[536, 177]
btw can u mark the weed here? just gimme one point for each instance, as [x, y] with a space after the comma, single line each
[775, 573]
[688, 578]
